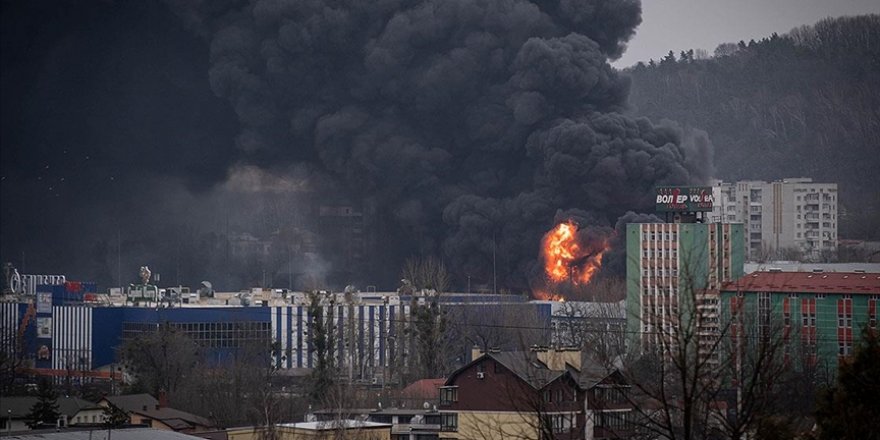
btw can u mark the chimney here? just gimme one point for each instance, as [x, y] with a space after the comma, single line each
[557, 358]
[163, 399]
[476, 352]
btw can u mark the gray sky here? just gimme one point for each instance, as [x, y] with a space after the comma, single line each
[685, 24]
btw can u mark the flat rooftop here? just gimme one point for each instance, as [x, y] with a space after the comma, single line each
[807, 282]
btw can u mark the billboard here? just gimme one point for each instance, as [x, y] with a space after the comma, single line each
[684, 198]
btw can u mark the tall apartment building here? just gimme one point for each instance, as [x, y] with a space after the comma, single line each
[673, 267]
[781, 218]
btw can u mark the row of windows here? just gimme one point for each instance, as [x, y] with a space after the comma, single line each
[659, 272]
[209, 334]
[85, 419]
[615, 421]
[666, 236]
[560, 396]
[660, 253]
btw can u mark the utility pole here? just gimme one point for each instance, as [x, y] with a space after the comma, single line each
[119, 258]
[494, 276]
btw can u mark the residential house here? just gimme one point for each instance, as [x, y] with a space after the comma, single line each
[15, 410]
[144, 409]
[416, 394]
[537, 394]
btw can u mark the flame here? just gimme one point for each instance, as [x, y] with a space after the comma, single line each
[547, 296]
[565, 259]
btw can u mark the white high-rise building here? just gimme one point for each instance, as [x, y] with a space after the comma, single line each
[782, 219]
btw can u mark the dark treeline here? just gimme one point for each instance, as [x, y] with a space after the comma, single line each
[803, 104]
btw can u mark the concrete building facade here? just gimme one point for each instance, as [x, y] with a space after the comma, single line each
[674, 267]
[781, 218]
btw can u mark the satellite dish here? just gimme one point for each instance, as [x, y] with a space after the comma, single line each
[426, 405]
[207, 285]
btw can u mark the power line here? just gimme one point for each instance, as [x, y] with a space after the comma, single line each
[795, 336]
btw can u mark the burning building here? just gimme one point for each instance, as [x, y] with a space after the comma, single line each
[571, 259]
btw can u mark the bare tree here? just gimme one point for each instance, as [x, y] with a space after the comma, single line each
[597, 328]
[692, 364]
[11, 357]
[428, 274]
[505, 327]
[161, 360]
[426, 339]
[323, 339]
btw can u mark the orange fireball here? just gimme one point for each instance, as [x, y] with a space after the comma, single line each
[560, 249]
[565, 259]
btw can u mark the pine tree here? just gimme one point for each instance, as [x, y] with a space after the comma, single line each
[45, 409]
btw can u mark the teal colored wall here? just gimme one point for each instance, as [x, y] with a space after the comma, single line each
[633, 282]
[694, 257]
[826, 320]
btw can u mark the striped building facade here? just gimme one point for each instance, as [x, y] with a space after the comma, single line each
[673, 268]
[63, 338]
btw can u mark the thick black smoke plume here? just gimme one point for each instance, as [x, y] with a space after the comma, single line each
[470, 123]
[147, 133]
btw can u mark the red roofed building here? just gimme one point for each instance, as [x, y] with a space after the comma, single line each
[821, 314]
[421, 391]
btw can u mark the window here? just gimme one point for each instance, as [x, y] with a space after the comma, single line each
[561, 422]
[448, 395]
[872, 313]
[808, 312]
[613, 421]
[764, 313]
[449, 422]
[559, 397]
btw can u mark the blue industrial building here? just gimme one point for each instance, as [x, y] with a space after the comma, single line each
[58, 332]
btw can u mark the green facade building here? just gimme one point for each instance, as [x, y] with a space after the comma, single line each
[820, 315]
[672, 268]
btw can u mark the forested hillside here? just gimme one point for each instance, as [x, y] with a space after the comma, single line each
[803, 104]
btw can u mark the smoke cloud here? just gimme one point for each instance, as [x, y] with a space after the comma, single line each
[470, 123]
[464, 130]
